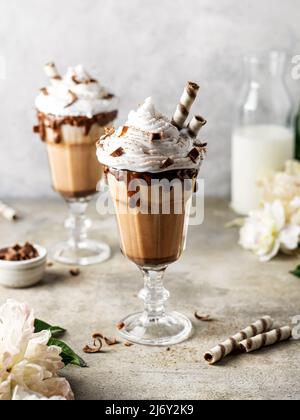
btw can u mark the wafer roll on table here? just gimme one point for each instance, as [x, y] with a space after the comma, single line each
[186, 102]
[224, 349]
[266, 339]
[7, 212]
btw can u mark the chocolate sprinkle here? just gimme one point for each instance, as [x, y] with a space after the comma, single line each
[120, 326]
[194, 155]
[73, 99]
[123, 130]
[156, 136]
[75, 272]
[203, 318]
[118, 153]
[167, 163]
[45, 91]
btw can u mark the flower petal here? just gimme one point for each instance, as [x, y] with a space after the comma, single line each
[289, 238]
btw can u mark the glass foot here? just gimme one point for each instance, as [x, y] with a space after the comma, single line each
[85, 253]
[169, 329]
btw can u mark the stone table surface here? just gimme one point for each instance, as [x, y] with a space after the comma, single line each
[215, 276]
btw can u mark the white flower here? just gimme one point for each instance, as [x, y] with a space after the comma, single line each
[21, 394]
[25, 359]
[266, 232]
[284, 186]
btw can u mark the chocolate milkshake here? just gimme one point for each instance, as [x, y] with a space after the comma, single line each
[151, 165]
[73, 112]
[150, 151]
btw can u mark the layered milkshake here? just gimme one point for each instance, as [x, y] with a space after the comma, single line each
[151, 165]
[73, 112]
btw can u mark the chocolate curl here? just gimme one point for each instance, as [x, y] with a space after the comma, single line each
[187, 99]
[266, 339]
[52, 72]
[7, 212]
[195, 125]
[233, 343]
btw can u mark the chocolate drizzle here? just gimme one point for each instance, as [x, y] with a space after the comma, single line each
[56, 122]
[128, 176]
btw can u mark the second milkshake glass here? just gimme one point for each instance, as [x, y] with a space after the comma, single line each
[73, 112]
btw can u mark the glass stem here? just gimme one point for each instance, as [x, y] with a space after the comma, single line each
[77, 223]
[154, 293]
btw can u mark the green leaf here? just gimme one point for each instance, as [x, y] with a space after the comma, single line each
[68, 356]
[296, 272]
[42, 326]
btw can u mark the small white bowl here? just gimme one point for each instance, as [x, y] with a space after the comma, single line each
[21, 274]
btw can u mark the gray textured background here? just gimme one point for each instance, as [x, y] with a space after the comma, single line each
[137, 48]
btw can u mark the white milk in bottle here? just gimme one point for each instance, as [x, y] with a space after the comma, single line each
[257, 150]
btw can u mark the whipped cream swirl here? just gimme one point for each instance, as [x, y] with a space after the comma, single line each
[149, 143]
[76, 94]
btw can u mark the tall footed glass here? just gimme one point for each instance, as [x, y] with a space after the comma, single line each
[152, 212]
[73, 111]
[75, 173]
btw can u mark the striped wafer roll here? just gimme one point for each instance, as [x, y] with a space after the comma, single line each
[7, 212]
[51, 71]
[195, 125]
[266, 339]
[224, 349]
[183, 109]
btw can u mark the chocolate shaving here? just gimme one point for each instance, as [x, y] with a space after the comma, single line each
[97, 336]
[168, 162]
[96, 348]
[118, 153]
[127, 344]
[73, 99]
[203, 318]
[19, 253]
[108, 96]
[50, 264]
[122, 131]
[75, 272]
[74, 79]
[120, 326]
[36, 129]
[110, 342]
[194, 154]
[45, 91]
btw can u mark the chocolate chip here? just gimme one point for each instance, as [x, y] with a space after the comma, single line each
[19, 253]
[194, 155]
